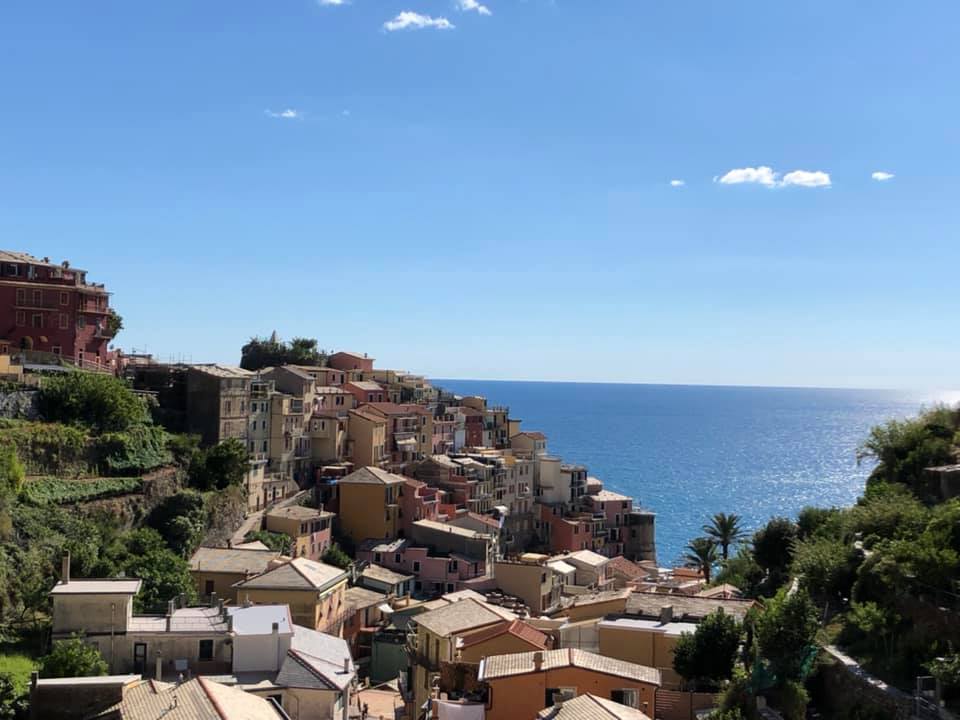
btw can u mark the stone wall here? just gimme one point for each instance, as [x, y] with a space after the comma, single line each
[130, 510]
[19, 405]
[842, 689]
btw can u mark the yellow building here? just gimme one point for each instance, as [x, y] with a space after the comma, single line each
[217, 570]
[367, 438]
[645, 642]
[369, 504]
[314, 592]
[505, 637]
[308, 528]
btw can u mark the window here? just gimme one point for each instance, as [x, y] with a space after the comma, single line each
[396, 558]
[21, 318]
[626, 696]
[82, 321]
[416, 567]
[37, 298]
[64, 298]
[376, 558]
[206, 650]
[64, 321]
[21, 296]
[559, 694]
[36, 320]
[208, 587]
[449, 587]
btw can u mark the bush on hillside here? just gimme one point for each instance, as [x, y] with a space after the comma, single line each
[100, 402]
[221, 466]
[707, 657]
[72, 658]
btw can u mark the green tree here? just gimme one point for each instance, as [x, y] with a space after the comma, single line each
[114, 323]
[181, 520]
[876, 622]
[165, 575]
[743, 572]
[785, 632]
[827, 567]
[101, 402]
[278, 542]
[337, 557]
[725, 530]
[708, 656]
[14, 703]
[903, 449]
[701, 554]
[773, 549]
[818, 521]
[72, 658]
[269, 352]
[224, 465]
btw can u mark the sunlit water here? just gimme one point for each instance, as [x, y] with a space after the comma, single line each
[689, 451]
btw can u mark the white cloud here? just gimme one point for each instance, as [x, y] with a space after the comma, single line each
[881, 176]
[415, 21]
[473, 6]
[761, 175]
[766, 176]
[677, 183]
[332, 3]
[807, 178]
[288, 114]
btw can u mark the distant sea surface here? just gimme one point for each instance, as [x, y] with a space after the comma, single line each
[688, 451]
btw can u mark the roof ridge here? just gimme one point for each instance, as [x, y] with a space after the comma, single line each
[213, 701]
[301, 658]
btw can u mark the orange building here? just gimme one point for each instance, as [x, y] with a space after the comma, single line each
[520, 685]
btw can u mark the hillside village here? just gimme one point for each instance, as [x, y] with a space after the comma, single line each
[308, 535]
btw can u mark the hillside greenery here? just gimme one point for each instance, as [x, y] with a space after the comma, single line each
[57, 491]
[271, 352]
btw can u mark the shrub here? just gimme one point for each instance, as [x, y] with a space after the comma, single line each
[791, 700]
[101, 402]
[786, 631]
[277, 542]
[707, 656]
[138, 449]
[222, 466]
[51, 490]
[72, 658]
[337, 557]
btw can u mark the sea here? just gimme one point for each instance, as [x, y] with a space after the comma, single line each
[687, 451]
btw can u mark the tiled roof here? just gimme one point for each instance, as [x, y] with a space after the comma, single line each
[107, 586]
[383, 546]
[222, 371]
[586, 557]
[298, 512]
[252, 545]
[536, 435]
[316, 660]
[448, 528]
[601, 597]
[389, 408]
[619, 565]
[371, 417]
[298, 574]
[591, 707]
[517, 628]
[721, 591]
[498, 666]
[384, 575]
[197, 699]
[371, 476]
[685, 607]
[236, 560]
[368, 385]
[457, 617]
[608, 495]
[360, 598]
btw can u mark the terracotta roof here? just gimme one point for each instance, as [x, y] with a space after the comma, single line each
[359, 356]
[517, 628]
[372, 417]
[721, 591]
[591, 707]
[389, 408]
[368, 385]
[384, 575]
[619, 565]
[685, 607]
[498, 666]
[360, 598]
[601, 597]
[585, 557]
[222, 371]
[536, 435]
[298, 574]
[371, 476]
[457, 617]
[197, 699]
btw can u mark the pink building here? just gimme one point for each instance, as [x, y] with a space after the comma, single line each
[419, 501]
[435, 574]
[366, 391]
[616, 509]
[572, 531]
[350, 361]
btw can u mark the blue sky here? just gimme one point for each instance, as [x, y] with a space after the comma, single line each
[494, 199]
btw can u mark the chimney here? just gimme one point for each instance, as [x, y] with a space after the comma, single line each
[213, 599]
[346, 665]
[538, 661]
[229, 623]
[220, 606]
[34, 677]
[159, 670]
[666, 614]
[275, 628]
[65, 568]
[229, 543]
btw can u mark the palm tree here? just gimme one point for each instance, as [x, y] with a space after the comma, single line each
[725, 530]
[702, 554]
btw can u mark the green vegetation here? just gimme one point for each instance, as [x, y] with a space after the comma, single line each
[50, 490]
[724, 530]
[114, 323]
[14, 700]
[702, 554]
[180, 520]
[95, 401]
[72, 658]
[16, 667]
[337, 557]
[269, 352]
[275, 541]
[707, 657]
[219, 467]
